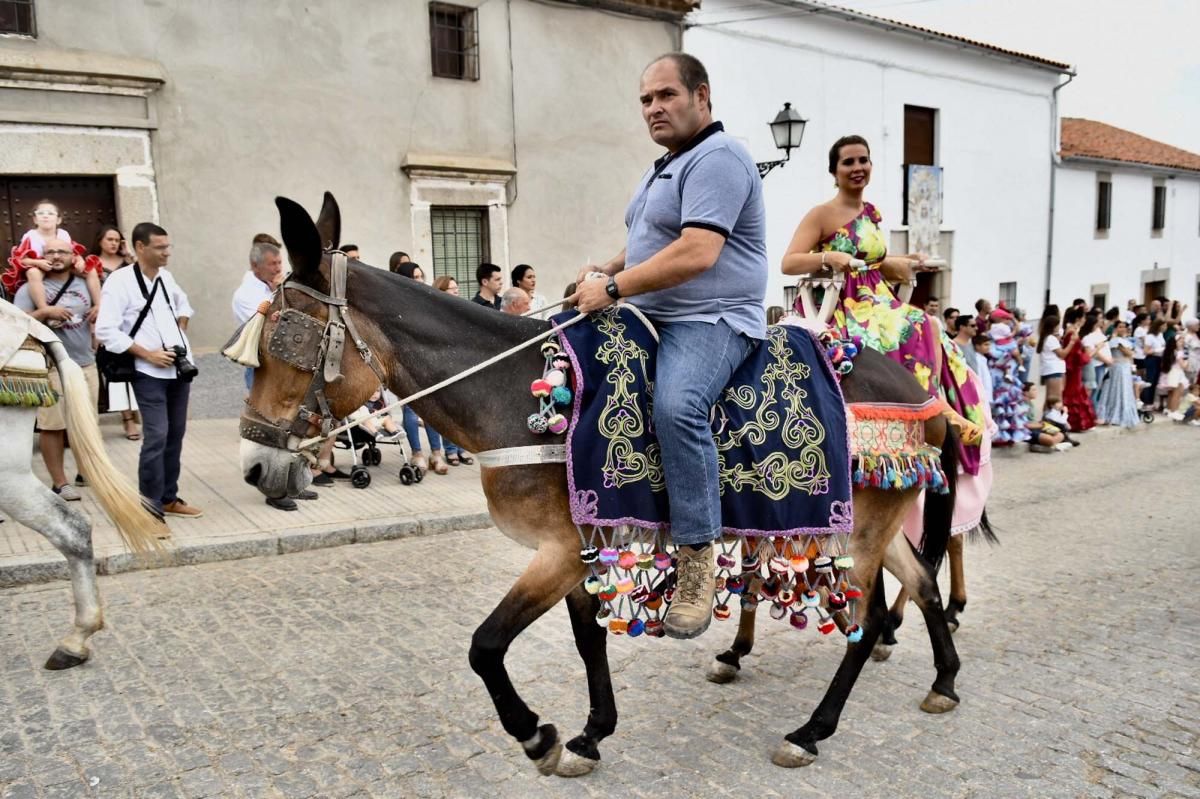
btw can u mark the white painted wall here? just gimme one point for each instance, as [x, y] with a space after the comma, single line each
[994, 132]
[1083, 259]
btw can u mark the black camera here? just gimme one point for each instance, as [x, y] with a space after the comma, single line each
[185, 370]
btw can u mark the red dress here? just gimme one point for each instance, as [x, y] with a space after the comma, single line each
[1080, 412]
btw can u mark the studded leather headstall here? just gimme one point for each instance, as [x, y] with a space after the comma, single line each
[305, 343]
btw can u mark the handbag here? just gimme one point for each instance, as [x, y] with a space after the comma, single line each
[118, 367]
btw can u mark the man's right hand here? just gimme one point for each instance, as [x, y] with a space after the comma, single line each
[54, 313]
[163, 358]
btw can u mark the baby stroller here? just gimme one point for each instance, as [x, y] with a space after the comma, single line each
[362, 446]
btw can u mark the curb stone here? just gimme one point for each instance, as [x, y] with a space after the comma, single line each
[48, 568]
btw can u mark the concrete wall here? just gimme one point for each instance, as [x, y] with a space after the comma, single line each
[993, 137]
[270, 98]
[1129, 254]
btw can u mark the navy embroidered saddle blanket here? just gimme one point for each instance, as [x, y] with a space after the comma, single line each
[780, 429]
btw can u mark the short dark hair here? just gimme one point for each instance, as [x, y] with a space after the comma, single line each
[835, 151]
[518, 272]
[962, 321]
[142, 232]
[979, 303]
[1079, 301]
[951, 311]
[691, 72]
[930, 299]
[485, 271]
[348, 247]
[980, 339]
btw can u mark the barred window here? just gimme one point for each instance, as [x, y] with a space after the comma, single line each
[1008, 294]
[453, 41]
[460, 243]
[16, 16]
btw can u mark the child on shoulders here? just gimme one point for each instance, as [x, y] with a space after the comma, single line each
[26, 264]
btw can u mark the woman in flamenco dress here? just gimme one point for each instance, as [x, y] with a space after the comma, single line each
[1081, 414]
[1009, 409]
[846, 228]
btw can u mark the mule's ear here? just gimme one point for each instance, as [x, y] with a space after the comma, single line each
[329, 223]
[301, 238]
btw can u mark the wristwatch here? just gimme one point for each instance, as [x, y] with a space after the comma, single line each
[611, 287]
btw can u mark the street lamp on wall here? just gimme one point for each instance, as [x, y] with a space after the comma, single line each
[788, 130]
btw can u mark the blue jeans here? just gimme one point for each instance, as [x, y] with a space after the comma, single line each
[695, 362]
[164, 405]
[249, 377]
[412, 429]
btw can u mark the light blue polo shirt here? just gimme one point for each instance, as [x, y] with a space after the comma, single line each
[711, 183]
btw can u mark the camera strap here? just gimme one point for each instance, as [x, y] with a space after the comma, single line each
[149, 295]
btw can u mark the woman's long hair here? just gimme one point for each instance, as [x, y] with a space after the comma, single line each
[1046, 328]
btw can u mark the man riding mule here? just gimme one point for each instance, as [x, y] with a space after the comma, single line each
[695, 262]
[413, 338]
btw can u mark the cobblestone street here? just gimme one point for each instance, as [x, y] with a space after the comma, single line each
[343, 672]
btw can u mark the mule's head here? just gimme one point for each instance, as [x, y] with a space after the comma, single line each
[289, 396]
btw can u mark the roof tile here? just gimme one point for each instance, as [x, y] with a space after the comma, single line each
[1084, 138]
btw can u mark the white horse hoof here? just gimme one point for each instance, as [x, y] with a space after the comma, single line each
[573, 765]
[788, 755]
[881, 652]
[936, 703]
[722, 673]
[547, 763]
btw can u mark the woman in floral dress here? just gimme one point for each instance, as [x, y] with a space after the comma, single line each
[846, 228]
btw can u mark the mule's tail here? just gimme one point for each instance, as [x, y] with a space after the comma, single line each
[984, 530]
[939, 508]
[141, 529]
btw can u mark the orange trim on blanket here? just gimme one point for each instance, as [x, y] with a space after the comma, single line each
[894, 410]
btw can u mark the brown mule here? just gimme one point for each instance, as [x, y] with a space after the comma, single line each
[411, 336]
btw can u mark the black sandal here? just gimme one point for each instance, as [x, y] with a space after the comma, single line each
[453, 460]
[465, 459]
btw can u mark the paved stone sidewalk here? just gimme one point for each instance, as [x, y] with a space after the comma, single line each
[343, 672]
[237, 522]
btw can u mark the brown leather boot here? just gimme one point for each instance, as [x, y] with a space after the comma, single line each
[695, 584]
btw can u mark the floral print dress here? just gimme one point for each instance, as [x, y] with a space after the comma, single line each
[869, 311]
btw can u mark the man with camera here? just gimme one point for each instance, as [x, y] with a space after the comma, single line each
[163, 370]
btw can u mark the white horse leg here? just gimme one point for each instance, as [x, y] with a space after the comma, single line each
[26, 500]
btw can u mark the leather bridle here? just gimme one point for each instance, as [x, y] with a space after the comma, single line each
[291, 342]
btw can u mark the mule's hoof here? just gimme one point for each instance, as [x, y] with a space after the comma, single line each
[953, 625]
[881, 652]
[789, 755]
[573, 765]
[62, 659]
[937, 703]
[722, 673]
[544, 749]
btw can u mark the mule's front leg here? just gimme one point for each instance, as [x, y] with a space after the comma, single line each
[552, 573]
[583, 753]
[36, 507]
[725, 666]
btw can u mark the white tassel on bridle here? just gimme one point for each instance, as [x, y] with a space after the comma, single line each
[244, 349]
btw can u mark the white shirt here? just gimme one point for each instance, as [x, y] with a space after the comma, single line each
[1155, 344]
[984, 373]
[122, 301]
[248, 296]
[1097, 341]
[1139, 342]
[1051, 364]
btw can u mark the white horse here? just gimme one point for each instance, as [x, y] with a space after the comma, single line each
[27, 500]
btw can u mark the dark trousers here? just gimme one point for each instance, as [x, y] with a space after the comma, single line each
[163, 404]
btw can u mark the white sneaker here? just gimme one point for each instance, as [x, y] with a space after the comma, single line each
[387, 438]
[1175, 416]
[1063, 446]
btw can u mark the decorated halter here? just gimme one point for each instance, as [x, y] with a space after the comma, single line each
[308, 344]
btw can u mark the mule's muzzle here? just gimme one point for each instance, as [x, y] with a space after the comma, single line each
[276, 473]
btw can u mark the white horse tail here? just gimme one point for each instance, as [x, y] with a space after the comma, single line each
[141, 529]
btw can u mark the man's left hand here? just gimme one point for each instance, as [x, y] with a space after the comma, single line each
[591, 295]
